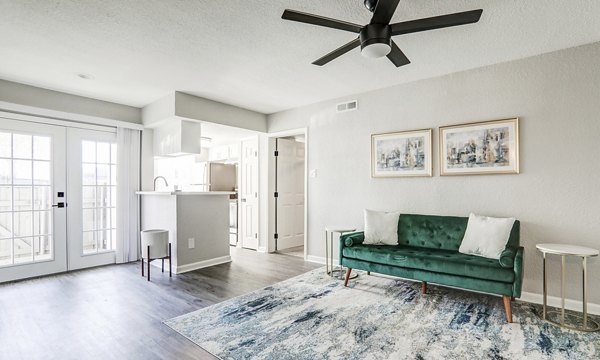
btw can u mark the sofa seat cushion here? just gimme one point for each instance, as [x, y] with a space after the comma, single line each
[436, 260]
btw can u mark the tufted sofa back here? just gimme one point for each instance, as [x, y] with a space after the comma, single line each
[439, 232]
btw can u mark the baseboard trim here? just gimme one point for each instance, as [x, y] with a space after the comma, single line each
[201, 264]
[262, 249]
[318, 259]
[554, 301]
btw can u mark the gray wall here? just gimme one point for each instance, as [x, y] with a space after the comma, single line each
[557, 98]
[30, 99]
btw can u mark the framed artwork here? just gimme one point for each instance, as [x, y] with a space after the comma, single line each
[405, 153]
[490, 147]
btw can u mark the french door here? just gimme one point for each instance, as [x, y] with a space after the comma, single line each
[57, 198]
[91, 185]
[32, 185]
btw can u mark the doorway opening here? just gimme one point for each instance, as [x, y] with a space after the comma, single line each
[290, 194]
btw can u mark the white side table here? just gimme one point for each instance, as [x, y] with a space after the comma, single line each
[329, 230]
[565, 250]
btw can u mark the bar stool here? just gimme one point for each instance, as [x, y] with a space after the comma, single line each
[156, 245]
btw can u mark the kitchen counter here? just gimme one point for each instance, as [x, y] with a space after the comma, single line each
[180, 193]
[197, 222]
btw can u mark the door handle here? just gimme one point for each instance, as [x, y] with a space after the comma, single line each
[59, 205]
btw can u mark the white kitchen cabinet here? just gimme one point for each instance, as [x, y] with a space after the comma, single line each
[224, 152]
[234, 151]
[219, 153]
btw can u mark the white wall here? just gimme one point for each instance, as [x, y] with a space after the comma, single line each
[556, 196]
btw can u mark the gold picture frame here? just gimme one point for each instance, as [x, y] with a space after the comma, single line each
[480, 148]
[402, 154]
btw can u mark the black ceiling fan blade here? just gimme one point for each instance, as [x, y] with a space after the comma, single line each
[294, 15]
[397, 57]
[384, 11]
[338, 52]
[436, 22]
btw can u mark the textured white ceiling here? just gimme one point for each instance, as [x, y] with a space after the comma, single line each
[240, 51]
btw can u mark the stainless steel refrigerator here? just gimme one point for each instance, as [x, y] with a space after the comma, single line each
[219, 176]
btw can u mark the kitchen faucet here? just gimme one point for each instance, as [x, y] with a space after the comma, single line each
[160, 177]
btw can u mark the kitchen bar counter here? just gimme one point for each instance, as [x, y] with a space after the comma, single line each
[198, 225]
[180, 193]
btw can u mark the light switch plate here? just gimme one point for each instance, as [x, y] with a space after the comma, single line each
[191, 243]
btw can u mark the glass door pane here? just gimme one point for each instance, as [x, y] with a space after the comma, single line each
[25, 198]
[98, 161]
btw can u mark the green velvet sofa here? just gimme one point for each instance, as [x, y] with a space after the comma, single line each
[427, 251]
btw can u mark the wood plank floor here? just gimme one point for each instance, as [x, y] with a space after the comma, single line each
[112, 312]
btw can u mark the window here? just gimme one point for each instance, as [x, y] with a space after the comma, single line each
[99, 194]
[25, 198]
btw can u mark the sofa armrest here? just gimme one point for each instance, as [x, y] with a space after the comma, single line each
[349, 239]
[507, 258]
[518, 272]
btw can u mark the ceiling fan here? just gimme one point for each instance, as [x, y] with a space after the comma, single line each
[375, 38]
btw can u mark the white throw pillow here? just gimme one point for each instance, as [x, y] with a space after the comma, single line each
[381, 228]
[486, 236]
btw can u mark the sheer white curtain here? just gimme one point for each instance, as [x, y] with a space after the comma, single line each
[128, 182]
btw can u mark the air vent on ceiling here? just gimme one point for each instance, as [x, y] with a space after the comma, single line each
[347, 106]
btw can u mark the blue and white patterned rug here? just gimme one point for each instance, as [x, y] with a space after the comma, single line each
[313, 316]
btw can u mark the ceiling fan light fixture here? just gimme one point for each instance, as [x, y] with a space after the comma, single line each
[376, 50]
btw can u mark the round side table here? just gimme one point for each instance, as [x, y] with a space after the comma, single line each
[329, 230]
[565, 250]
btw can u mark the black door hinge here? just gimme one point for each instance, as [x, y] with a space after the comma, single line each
[276, 194]
[276, 153]
[276, 236]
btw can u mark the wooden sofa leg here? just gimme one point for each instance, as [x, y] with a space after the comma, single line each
[368, 273]
[507, 308]
[348, 271]
[512, 298]
[424, 287]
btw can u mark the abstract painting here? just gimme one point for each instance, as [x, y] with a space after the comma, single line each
[406, 153]
[490, 147]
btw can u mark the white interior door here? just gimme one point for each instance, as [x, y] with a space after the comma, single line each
[32, 173]
[249, 194]
[92, 211]
[290, 188]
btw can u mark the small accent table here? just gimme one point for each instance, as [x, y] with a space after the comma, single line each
[565, 250]
[329, 230]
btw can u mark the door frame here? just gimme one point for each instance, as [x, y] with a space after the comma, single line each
[271, 137]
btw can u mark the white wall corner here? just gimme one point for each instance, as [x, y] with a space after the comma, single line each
[158, 112]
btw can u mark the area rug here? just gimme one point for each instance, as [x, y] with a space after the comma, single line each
[313, 316]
